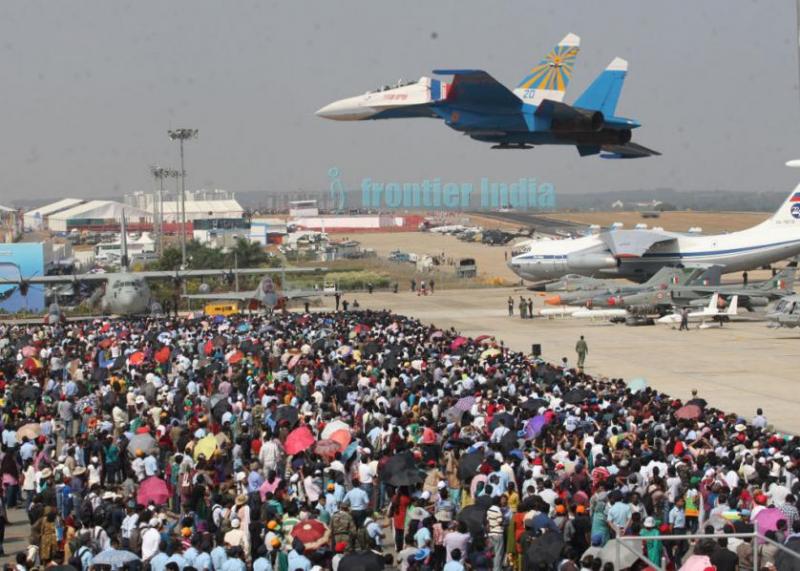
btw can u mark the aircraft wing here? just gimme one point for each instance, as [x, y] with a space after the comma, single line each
[159, 274]
[627, 151]
[222, 296]
[633, 243]
[156, 274]
[478, 88]
[300, 294]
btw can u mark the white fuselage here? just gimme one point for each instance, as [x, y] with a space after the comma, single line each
[768, 242]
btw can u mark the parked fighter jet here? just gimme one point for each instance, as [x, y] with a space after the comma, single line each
[697, 293]
[574, 282]
[607, 296]
[479, 106]
[707, 316]
[786, 312]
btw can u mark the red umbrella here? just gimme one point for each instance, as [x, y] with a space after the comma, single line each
[457, 342]
[31, 365]
[208, 348]
[154, 490]
[136, 358]
[29, 351]
[361, 327]
[483, 338]
[343, 437]
[162, 355]
[313, 533]
[327, 448]
[236, 357]
[105, 343]
[298, 440]
[689, 411]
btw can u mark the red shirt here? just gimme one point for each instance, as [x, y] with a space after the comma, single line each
[400, 507]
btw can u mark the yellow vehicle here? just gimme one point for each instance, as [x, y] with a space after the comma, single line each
[225, 308]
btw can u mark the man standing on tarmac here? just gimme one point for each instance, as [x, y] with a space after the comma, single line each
[581, 348]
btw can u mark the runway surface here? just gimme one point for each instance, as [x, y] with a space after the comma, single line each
[738, 368]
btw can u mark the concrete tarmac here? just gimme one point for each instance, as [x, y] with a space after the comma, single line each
[738, 368]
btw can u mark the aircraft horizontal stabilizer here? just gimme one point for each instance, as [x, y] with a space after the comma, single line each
[627, 151]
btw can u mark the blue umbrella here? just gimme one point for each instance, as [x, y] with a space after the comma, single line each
[116, 558]
[350, 450]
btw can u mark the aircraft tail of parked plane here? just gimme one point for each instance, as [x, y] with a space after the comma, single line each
[550, 77]
[783, 281]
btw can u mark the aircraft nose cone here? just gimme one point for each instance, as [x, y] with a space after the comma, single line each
[349, 109]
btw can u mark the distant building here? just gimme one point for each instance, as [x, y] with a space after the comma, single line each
[36, 219]
[267, 230]
[98, 215]
[303, 208]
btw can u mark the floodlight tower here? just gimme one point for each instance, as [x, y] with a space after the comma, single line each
[182, 135]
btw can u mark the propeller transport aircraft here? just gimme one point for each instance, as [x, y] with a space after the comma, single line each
[127, 293]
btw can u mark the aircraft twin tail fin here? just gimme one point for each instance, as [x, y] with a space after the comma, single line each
[733, 306]
[713, 304]
[603, 94]
[550, 77]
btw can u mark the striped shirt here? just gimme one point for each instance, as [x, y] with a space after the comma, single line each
[494, 521]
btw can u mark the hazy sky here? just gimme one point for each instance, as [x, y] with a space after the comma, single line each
[90, 88]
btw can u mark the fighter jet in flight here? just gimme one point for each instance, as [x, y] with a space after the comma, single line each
[478, 105]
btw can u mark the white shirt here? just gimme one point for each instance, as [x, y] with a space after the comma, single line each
[366, 473]
[150, 541]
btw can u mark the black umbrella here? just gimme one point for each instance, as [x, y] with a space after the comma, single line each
[29, 392]
[468, 465]
[702, 403]
[219, 405]
[371, 349]
[473, 517]
[576, 396]
[410, 476]
[286, 413]
[361, 561]
[397, 463]
[544, 551]
[534, 405]
[508, 420]
[509, 441]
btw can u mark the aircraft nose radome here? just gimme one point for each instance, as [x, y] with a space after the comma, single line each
[553, 300]
[344, 110]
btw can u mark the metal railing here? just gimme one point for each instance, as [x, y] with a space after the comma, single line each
[754, 536]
